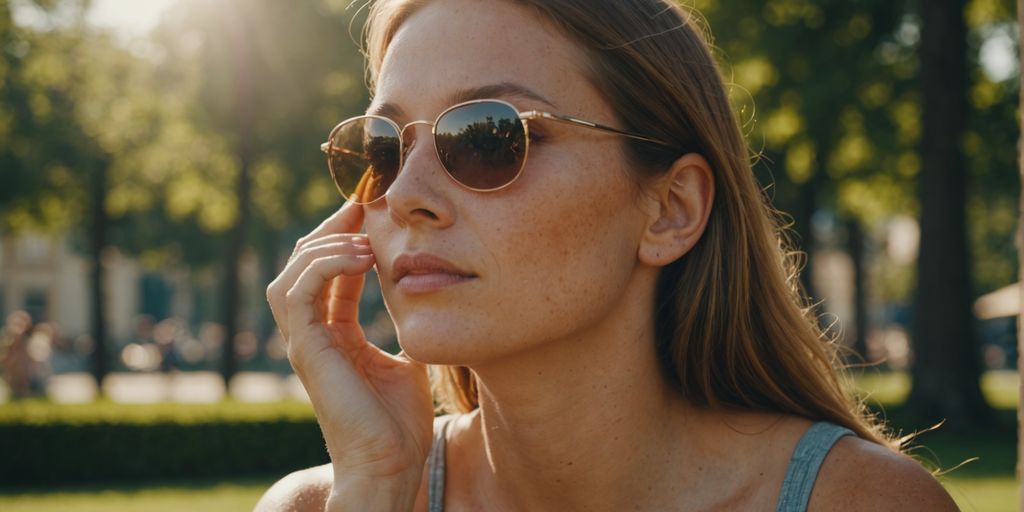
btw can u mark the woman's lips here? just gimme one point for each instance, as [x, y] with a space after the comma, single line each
[415, 283]
[424, 272]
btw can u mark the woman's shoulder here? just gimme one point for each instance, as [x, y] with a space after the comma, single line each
[861, 475]
[308, 489]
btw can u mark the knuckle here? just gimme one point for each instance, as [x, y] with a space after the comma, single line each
[300, 243]
[276, 292]
[307, 254]
[318, 263]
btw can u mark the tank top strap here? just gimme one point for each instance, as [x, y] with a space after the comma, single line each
[435, 464]
[804, 464]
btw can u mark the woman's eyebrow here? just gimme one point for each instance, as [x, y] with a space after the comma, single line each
[501, 89]
[498, 90]
[388, 110]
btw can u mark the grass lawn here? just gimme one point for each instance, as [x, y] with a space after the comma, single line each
[991, 494]
[200, 496]
[984, 485]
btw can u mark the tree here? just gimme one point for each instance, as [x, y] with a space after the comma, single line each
[947, 366]
[56, 169]
[97, 139]
[274, 79]
[829, 81]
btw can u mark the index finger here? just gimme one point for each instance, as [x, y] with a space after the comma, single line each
[348, 219]
[343, 296]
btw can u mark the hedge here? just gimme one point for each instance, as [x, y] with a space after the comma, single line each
[43, 443]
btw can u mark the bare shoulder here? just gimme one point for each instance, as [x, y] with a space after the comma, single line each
[861, 475]
[299, 491]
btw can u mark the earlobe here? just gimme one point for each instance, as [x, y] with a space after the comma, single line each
[683, 197]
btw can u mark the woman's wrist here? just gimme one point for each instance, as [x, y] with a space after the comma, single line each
[373, 494]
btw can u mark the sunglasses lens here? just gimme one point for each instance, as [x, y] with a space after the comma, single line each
[482, 145]
[364, 158]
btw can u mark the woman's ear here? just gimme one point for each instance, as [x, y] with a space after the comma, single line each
[679, 207]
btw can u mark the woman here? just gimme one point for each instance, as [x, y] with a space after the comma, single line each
[581, 249]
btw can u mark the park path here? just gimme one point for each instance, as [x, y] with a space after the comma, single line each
[185, 387]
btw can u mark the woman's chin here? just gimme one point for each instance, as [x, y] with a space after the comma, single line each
[432, 351]
[436, 344]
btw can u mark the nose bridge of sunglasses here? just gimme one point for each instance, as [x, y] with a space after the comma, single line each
[410, 139]
[406, 139]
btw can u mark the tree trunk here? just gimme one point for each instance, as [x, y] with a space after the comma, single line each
[230, 291]
[269, 254]
[244, 117]
[947, 364]
[97, 303]
[855, 245]
[807, 203]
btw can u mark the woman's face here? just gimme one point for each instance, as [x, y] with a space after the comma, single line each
[553, 252]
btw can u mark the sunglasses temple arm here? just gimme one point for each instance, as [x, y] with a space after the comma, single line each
[326, 148]
[533, 114]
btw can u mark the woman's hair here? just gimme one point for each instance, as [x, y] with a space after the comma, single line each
[734, 327]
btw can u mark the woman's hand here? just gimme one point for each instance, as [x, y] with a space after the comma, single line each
[375, 409]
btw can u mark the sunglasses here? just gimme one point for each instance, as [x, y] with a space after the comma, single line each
[482, 145]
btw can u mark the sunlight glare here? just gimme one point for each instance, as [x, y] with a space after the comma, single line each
[127, 17]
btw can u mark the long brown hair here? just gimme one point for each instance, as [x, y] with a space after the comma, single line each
[734, 327]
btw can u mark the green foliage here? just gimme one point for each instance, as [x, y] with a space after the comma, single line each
[45, 443]
[990, 146]
[270, 77]
[163, 118]
[39, 142]
[823, 88]
[834, 88]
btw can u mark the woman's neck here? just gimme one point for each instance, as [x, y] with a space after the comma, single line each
[598, 452]
[585, 423]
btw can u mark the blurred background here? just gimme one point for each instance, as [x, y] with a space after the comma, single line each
[159, 159]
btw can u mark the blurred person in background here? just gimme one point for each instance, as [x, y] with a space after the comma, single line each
[560, 208]
[40, 350]
[19, 368]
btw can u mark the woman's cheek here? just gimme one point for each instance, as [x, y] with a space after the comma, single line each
[564, 264]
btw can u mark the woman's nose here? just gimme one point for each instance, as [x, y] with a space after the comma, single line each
[421, 191]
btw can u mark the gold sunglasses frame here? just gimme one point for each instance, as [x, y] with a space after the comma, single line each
[525, 117]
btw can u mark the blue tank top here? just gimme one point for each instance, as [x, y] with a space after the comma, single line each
[801, 473]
